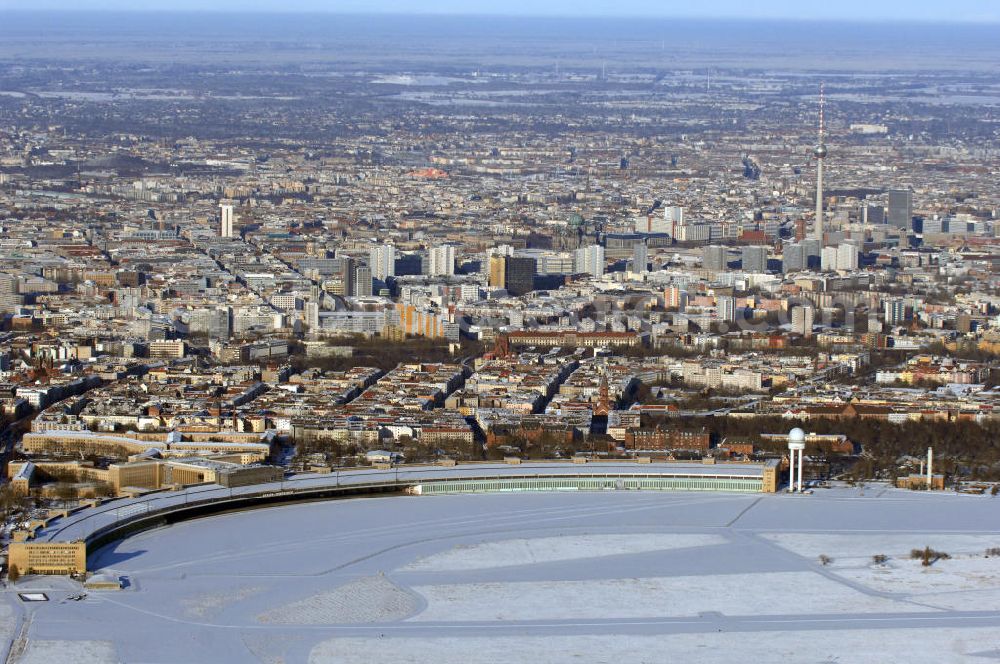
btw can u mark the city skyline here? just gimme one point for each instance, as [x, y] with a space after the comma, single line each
[961, 11]
[701, 302]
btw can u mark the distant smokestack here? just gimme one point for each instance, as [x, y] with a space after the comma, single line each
[930, 462]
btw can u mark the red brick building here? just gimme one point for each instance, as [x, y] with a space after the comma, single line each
[668, 439]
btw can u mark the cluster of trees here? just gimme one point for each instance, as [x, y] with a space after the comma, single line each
[966, 448]
[966, 349]
[546, 445]
[66, 491]
[386, 354]
[10, 502]
[928, 556]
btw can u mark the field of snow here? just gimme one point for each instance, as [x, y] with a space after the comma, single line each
[77, 652]
[516, 552]
[544, 577]
[209, 605]
[907, 576]
[895, 545]
[801, 593]
[8, 624]
[968, 580]
[940, 646]
[372, 599]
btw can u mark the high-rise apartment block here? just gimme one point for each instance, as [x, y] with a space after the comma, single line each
[9, 298]
[847, 257]
[225, 220]
[497, 271]
[901, 208]
[590, 260]
[640, 258]
[362, 286]
[754, 259]
[715, 258]
[803, 318]
[794, 258]
[382, 261]
[894, 311]
[441, 260]
[519, 275]
[725, 307]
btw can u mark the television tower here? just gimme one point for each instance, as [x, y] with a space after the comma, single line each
[820, 153]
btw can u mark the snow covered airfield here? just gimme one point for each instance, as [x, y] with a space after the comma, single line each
[620, 576]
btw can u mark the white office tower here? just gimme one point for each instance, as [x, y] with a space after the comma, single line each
[847, 257]
[470, 293]
[441, 261]
[803, 319]
[674, 213]
[589, 260]
[673, 217]
[725, 306]
[714, 258]
[894, 311]
[754, 259]
[226, 221]
[675, 298]
[312, 315]
[9, 298]
[794, 258]
[640, 258]
[362, 284]
[382, 261]
[828, 259]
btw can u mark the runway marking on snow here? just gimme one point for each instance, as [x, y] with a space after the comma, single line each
[744, 511]
[519, 626]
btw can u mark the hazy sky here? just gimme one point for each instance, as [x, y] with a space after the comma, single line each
[862, 10]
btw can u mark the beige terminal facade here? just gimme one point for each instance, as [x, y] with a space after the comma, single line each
[48, 557]
[120, 479]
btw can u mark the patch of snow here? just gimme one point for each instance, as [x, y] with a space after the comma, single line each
[864, 545]
[8, 625]
[906, 576]
[365, 600]
[77, 652]
[515, 552]
[969, 600]
[210, 604]
[914, 646]
[772, 593]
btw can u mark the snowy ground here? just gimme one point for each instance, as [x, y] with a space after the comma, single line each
[765, 593]
[842, 647]
[550, 578]
[514, 552]
[371, 599]
[895, 545]
[8, 625]
[78, 652]
[210, 605]
[968, 580]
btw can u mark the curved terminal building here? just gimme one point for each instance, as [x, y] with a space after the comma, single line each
[98, 523]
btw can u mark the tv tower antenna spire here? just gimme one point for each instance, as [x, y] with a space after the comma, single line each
[820, 153]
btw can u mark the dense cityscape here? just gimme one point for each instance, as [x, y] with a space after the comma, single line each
[246, 260]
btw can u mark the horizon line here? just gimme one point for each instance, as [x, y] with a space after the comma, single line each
[528, 16]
